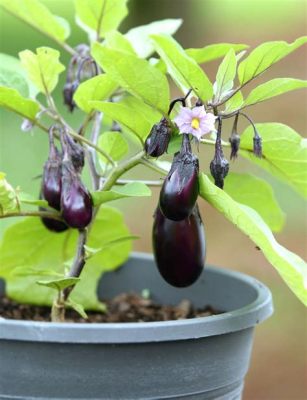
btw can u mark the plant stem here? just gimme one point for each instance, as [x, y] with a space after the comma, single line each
[146, 182]
[42, 214]
[121, 169]
[58, 309]
[91, 154]
[153, 166]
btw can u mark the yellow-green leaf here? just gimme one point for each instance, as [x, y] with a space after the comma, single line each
[13, 101]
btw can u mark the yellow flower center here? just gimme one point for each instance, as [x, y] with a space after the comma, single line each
[195, 123]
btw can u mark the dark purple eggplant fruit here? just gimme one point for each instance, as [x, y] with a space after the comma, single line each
[76, 201]
[51, 182]
[158, 139]
[53, 224]
[179, 248]
[234, 140]
[180, 188]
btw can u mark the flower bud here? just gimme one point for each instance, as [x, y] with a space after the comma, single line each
[257, 148]
[75, 152]
[219, 166]
[180, 188]
[76, 201]
[158, 139]
[68, 93]
[179, 248]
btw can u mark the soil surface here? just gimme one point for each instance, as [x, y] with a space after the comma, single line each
[126, 307]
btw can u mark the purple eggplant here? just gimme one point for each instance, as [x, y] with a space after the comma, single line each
[52, 224]
[68, 94]
[51, 183]
[179, 248]
[180, 188]
[75, 151]
[158, 139]
[76, 201]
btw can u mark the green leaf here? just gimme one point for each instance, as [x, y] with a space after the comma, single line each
[225, 75]
[117, 41]
[12, 74]
[98, 88]
[139, 37]
[114, 144]
[291, 267]
[100, 16]
[273, 88]
[59, 283]
[213, 51]
[132, 189]
[13, 101]
[29, 244]
[135, 75]
[77, 307]
[43, 68]
[234, 103]
[182, 68]
[134, 121]
[8, 196]
[36, 14]
[135, 104]
[257, 194]
[264, 56]
[284, 153]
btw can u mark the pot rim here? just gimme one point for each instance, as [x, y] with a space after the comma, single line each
[141, 332]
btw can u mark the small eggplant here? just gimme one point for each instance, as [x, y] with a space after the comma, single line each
[158, 139]
[76, 201]
[179, 248]
[180, 188]
[51, 182]
[52, 224]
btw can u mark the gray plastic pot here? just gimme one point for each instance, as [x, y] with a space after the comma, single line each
[201, 358]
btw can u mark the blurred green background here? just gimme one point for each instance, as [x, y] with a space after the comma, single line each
[278, 370]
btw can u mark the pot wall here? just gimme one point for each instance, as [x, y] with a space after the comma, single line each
[203, 358]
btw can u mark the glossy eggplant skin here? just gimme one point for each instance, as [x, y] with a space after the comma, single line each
[54, 225]
[179, 248]
[76, 201]
[180, 188]
[51, 182]
[158, 139]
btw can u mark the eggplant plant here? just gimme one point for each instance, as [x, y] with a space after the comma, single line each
[119, 85]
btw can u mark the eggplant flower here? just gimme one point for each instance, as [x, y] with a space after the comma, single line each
[195, 121]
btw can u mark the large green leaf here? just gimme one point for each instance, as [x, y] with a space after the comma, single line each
[284, 153]
[213, 51]
[100, 16]
[182, 68]
[117, 41]
[134, 121]
[135, 104]
[36, 14]
[13, 75]
[43, 68]
[8, 196]
[114, 144]
[234, 103]
[273, 88]
[28, 245]
[291, 267]
[225, 75]
[139, 37]
[13, 101]
[98, 88]
[135, 75]
[131, 189]
[257, 194]
[264, 56]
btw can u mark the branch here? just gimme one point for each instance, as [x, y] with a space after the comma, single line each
[41, 214]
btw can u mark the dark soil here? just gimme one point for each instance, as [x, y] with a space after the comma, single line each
[126, 307]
